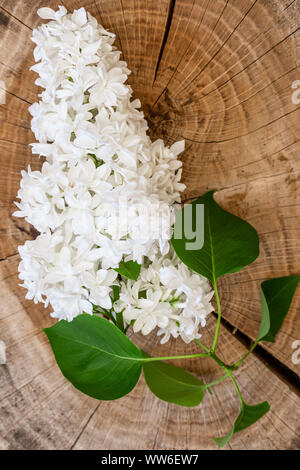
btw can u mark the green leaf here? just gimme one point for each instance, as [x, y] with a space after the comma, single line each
[96, 356]
[230, 243]
[130, 270]
[249, 414]
[173, 384]
[276, 296]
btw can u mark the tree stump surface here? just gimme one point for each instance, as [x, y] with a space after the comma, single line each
[219, 74]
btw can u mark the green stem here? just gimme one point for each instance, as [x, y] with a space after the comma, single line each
[167, 358]
[129, 324]
[104, 312]
[217, 360]
[247, 354]
[227, 369]
[109, 315]
[215, 286]
[229, 373]
[237, 387]
[202, 345]
[216, 381]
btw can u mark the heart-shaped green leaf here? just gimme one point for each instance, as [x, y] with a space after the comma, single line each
[173, 384]
[276, 295]
[249, 414]
[130, 269]
[96, 356]
[230, 243]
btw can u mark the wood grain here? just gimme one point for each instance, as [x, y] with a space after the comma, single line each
[218, 74]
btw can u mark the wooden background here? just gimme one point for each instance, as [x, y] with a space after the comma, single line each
[217, 73]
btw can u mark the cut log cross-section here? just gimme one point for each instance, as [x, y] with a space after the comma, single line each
[218, 74]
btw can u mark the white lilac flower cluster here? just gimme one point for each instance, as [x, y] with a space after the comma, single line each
[105, 193]
[167, 295]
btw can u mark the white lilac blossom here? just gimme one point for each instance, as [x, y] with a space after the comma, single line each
[105, 192]
[167, 295]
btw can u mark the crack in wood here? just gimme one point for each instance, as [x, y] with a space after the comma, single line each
[274, 364]
[289, 5]
[165, 38]
[19, 97]
[15, 18]
[185, 52]
[6, 258]
[85, 426]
